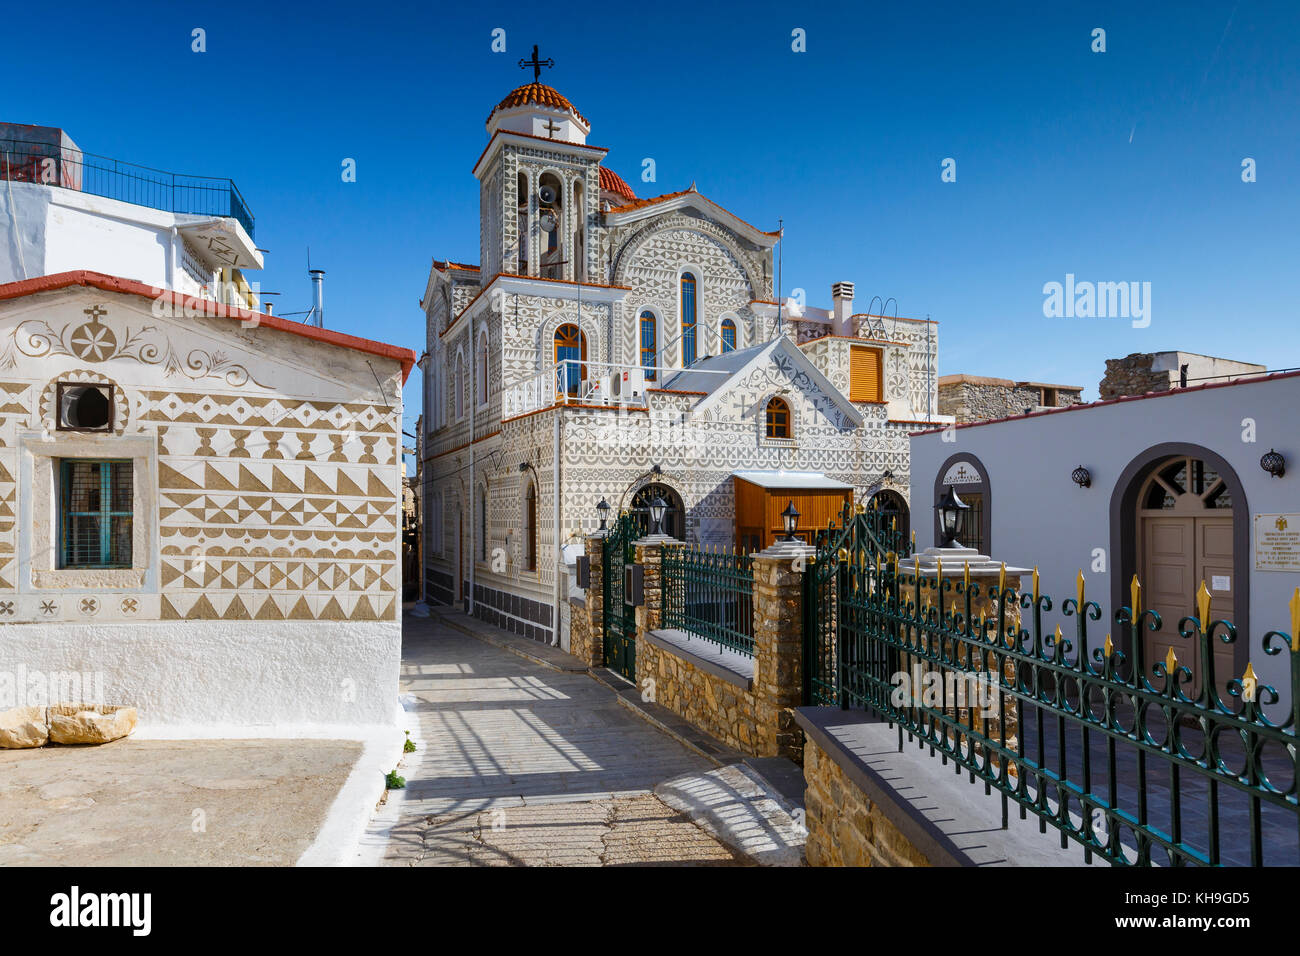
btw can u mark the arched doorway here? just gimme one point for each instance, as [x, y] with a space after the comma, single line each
[893, 509]
[674, 524]
[1179, 517]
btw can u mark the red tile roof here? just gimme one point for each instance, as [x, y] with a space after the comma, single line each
[615, 183]
[107, 283]
[537, 94]
[642, 203]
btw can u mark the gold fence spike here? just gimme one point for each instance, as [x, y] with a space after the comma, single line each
[1171, 660]
[1203, 604]
[1295, 622]
[1035, 584]
[913, 540]
[842, 554]
[1135, 597]
[1080, 584]
[861, 508]
[1249, 683]
[1108, 647]
[1002, 578]
[966, 576]
[938, 569]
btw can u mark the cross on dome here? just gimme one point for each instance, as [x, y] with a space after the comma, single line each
[537, 65]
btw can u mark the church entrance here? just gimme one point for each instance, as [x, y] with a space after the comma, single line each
[674, 524]
[893, 509]
[1185, 514]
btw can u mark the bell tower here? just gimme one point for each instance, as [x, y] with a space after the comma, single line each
[539, 185]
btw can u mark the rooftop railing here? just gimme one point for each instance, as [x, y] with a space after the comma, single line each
[65, 166]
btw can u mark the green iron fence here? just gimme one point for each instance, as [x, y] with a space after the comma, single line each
[861, 536]
[711, 595]
[618, 618]
[1129, 758]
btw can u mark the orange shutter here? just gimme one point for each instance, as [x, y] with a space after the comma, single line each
[864, 375]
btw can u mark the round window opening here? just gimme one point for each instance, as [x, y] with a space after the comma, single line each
[85, 407]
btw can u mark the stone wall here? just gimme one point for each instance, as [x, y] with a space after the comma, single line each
[974, 399]
[845, 828]
[586, 624]
[1132, 375]
[723, 710]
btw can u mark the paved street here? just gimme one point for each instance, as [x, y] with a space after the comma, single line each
[523, 765]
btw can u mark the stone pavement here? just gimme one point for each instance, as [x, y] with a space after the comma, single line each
[522, 765]
[169, 802]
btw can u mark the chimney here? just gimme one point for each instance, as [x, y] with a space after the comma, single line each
[268, 308]
[317, 297]
[842, 310]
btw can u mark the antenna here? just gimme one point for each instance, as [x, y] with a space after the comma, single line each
[780, 257]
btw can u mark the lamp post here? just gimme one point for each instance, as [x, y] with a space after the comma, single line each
[657, 509]
[952, 517]
[602, 509]
[790, 520]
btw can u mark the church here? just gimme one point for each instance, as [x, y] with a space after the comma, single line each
[613, 349]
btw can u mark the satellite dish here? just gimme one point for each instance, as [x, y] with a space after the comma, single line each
[547, 195]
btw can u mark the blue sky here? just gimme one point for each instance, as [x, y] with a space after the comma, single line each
[1115, 166]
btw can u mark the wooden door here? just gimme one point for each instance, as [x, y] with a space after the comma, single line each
[1186, 537]
[1169, 581]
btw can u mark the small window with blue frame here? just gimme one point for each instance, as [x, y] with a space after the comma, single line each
[95, 513]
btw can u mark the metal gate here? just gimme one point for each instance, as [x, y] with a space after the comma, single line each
[836, 614]
[619, 617]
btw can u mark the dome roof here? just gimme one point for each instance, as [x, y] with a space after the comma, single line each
[538, 94]
[615, 183]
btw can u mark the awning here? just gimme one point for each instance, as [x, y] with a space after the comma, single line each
[791, 479]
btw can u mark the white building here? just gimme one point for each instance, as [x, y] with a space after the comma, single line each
[1175, 492]
[621, 348]
[200, 505]
[63, 210]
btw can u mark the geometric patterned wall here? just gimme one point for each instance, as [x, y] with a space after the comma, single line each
[277, 490]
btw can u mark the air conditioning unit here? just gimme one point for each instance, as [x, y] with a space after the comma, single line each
[627, 386]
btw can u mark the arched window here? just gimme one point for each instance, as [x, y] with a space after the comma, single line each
[649, 345]
[482, 371]
[571, 347]
[460, 387]
[688, 320]
[778, 418]
[728, 335]
[530, 528]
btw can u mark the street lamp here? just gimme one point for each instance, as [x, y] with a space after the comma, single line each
[602, 509]
[952, 516]
[657, 509]
[790, 519]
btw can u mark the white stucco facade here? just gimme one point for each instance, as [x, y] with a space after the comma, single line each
[261, 588]
[1038, 516]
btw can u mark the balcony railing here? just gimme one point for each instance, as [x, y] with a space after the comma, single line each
[67, 167]
[574, 382]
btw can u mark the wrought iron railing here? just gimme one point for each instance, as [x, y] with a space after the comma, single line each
[710, 593]
[65, 166]
[1129, 758]
[578, 382]
[860, 536]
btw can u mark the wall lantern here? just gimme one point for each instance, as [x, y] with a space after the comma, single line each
[602, 509]
[657, 509]
[790, 519]
[1082, 477]
[952, 516]
[1273, 463]
[523, 467]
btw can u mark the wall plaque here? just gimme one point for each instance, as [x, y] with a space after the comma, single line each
[1277, 542]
